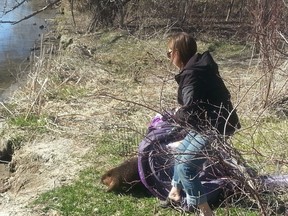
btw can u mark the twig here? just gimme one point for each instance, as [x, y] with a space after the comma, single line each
[280, 161]
[5, 162]
[6, 108]
[280, 33]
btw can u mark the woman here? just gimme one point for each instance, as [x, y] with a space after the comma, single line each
[206, 110]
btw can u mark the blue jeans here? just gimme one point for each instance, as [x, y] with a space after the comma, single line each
[189, 160]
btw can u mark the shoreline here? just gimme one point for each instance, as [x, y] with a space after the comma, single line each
[13, 69]
[48, 38]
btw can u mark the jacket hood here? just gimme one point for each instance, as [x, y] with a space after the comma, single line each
[201, 62]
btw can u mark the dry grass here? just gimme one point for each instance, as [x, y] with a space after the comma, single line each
[111, 79]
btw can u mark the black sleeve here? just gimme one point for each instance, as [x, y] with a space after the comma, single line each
[190, 93]
[190, 89]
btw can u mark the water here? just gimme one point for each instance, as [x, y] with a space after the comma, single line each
[16, 41]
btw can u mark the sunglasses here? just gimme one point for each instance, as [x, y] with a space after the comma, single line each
[169, 54]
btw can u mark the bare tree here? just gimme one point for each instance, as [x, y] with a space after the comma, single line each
[230, 6]
[268, 21]
[105, 12]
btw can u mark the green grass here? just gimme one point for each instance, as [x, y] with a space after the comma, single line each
[264, 144]
[119, 142]
[29, 122]
[129, 56]
[67, 92]
[122, 55]
[225, 49]
[87, 196]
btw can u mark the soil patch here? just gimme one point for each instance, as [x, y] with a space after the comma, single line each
[40, 166]
[4, 176]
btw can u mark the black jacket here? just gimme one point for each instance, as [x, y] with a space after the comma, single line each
[204, 99]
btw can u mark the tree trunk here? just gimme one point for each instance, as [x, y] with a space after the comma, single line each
[229, 10]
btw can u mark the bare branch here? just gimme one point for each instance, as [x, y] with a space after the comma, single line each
[1, 21]
[36, 12]
[16, 6]
[127, 101]
[33, 14]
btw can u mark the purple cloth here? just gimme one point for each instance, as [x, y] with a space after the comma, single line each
[156, 120]
[155, 162]
[155, 166]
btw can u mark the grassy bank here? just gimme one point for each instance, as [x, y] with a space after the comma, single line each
[101, 90]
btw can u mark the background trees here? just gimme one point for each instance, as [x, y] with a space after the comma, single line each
[259, 23]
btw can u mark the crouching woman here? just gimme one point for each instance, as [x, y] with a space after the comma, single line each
[205, 110]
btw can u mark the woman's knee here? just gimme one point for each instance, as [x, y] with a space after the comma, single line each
[186, 170]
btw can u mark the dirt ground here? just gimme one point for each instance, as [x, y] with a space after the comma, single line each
[41, 166]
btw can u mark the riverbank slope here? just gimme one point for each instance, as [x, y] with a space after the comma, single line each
[86, 93]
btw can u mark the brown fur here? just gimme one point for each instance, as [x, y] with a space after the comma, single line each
[124, 175]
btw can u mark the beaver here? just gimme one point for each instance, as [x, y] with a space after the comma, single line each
[124, 176]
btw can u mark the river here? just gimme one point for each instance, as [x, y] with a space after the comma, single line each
[17, 41]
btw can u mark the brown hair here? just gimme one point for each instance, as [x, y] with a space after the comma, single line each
[184, 44]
